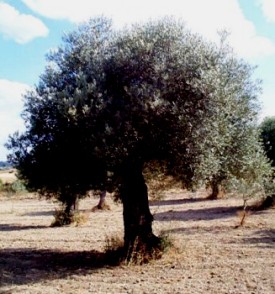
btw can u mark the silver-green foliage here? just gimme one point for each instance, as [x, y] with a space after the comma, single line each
[267, 132]
[154, 91]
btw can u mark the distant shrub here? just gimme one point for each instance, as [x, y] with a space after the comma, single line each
[1, 185]
[62, 218]
[16, 187]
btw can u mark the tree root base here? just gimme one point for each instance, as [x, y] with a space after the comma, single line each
[141, 252]
[101, 208]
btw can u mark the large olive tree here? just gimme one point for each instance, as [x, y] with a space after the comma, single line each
[110, 101]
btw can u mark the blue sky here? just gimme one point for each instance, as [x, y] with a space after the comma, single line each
[30, 28]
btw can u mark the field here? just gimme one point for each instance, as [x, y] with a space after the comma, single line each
[7, 176]
[211, 253]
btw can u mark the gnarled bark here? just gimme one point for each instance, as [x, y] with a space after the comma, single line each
[137, 217]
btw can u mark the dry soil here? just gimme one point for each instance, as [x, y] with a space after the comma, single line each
[211, 253]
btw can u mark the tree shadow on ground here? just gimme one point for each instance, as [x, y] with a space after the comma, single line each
[176, 201]
[198, 214]
[10, 228]
[23, 266]
[217, 229]
[40, 213]
[262, 238]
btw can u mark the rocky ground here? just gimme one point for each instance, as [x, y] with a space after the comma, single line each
[211, 253]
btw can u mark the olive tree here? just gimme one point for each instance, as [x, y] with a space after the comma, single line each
[111, 100]
[233, 151]
[267, 131]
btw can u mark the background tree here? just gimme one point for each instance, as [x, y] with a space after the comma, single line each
[267, 134]
[267, 131]
[233, 152]
[110, 101]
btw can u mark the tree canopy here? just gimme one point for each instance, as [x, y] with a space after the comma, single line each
[110, 100]
[267, 130]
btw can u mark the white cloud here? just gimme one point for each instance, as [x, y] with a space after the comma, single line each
[20, 27]
[204, 17]
[268, 8]
[11, 105]
[74, 11]
[267, 99]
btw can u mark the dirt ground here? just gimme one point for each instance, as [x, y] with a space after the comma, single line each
[211, 254]
[8, 176]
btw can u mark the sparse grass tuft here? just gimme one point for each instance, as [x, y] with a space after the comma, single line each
[80, 218]
[139, 253]
[166, 242]
[143, 253]
[16, 187]
[114, 250]
[61, 218]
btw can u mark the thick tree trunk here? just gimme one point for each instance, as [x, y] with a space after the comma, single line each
[102, 200]
[217, 191]
[102, 205]
[72, 205]
[137, 217]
